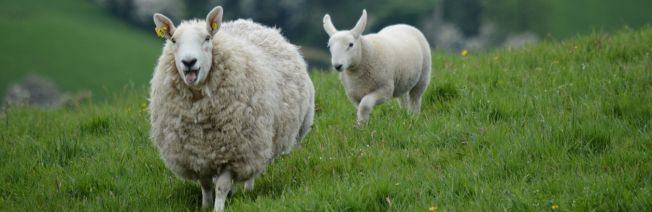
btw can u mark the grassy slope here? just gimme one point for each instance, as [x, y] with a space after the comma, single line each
[67, 41]
[565, 124]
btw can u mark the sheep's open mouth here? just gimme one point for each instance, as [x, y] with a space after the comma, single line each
[191, 75]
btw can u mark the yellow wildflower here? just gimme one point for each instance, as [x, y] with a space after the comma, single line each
[465, 52]
[432, 209]
[161, 31]
[554, 206]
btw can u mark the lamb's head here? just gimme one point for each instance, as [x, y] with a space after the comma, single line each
[344, 46]
[191, 43]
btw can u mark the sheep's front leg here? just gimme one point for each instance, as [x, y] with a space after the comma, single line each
[367, 104]
[207, 192]
[223, 185]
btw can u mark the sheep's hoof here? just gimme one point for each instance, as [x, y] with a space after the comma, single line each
[207, 203]
[218, 208]
[360, 125]
[203, 206]
[219, 203]
[249, 185]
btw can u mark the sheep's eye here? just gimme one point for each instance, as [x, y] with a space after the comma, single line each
[350, 45]
[173, 40]
[207, 38]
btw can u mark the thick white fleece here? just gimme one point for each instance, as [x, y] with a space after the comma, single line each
[256, 103]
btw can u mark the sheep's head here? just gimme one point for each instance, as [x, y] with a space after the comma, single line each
[345, 45]
[192, 44]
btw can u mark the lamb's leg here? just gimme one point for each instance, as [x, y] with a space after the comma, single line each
[223, 185]
[417, 91]
[249, 184]
[207, 192]
[367, 104]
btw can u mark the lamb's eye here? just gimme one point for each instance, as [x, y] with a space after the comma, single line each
[173, 40]
[207, 38]
[350, 45]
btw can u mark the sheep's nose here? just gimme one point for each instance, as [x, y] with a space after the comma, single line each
[338, 67]
[189, 63]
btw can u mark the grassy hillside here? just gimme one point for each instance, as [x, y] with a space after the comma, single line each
[556, 126]
[67, 41]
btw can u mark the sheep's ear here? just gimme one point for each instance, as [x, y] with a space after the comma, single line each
[164, 26]
[214, 20]
[359, 27]
[328, 25]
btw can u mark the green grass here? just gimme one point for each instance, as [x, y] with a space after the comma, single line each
[74, 43]
[565, 124]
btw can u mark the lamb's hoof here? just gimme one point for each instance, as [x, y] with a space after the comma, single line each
[360, 125]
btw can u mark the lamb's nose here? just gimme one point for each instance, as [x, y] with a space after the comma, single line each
[189, 63]
[338, 67]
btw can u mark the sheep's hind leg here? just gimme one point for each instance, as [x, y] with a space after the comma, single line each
[207, 192]
[308, 120]
[223, 185]
[415, 99]
[249, 184]
[404, 101]
[417, 92]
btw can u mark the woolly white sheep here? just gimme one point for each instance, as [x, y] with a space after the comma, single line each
[226, 99]
[394, 62]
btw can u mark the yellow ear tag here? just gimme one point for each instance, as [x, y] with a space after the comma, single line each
[214, 26]
[160, 31]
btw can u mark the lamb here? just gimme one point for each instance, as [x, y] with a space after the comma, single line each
[225, 100]
[394, 62]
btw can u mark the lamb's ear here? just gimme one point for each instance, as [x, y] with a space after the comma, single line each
[359, 27]
[164, 26]
[328, 25]
[214, 20]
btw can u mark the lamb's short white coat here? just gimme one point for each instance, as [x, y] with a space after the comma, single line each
[395, 62]
[225, 119]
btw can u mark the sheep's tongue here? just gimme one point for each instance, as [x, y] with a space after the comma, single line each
[191, 76]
